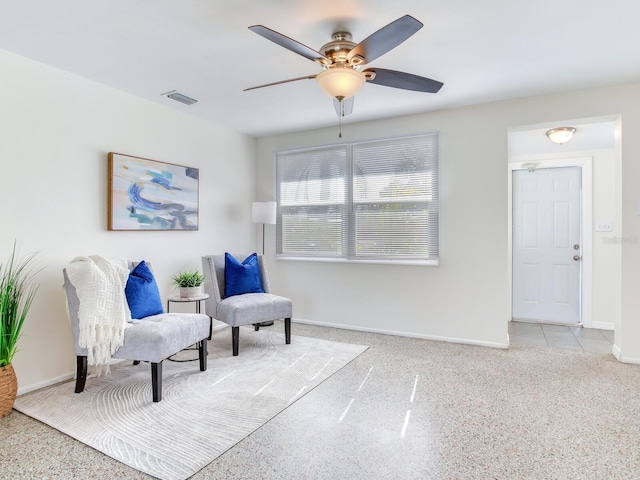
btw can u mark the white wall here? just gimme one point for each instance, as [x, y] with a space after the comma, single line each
[466, 298]
[461, 300]
[55, 132]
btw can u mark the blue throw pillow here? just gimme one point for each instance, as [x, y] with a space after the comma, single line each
[142, 292]
[242, 277]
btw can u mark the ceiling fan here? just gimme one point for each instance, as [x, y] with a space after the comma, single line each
[341, 60]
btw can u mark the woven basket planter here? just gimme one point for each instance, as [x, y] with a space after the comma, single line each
[8, 389]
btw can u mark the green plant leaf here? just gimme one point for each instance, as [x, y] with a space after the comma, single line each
[188, 279]
[17, 290]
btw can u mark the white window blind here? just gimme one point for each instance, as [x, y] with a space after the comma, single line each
[361, 201]
[312, 202]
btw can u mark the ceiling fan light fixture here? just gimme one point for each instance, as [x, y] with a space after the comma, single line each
[561, 134]
[340, 81]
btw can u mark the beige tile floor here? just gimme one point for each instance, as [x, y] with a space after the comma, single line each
[559, 336]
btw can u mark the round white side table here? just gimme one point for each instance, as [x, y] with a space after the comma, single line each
[196, 300]
[178, 299]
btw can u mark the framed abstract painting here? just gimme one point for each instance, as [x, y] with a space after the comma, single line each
[150, 195]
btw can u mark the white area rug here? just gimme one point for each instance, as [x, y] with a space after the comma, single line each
[202, 414]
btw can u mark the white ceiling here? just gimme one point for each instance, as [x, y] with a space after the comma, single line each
[483, 51]
[591, 135]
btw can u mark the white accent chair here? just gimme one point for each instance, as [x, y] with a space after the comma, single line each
[245, 309]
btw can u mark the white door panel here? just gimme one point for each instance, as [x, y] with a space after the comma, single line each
[546, 226]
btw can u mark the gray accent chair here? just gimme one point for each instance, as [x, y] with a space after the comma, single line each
[246, 309]
[153, 340]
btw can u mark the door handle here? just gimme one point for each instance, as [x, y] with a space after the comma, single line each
[577, 257]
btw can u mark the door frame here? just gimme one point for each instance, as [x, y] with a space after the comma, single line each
[586, 282]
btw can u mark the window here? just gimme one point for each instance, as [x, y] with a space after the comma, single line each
[373, 200]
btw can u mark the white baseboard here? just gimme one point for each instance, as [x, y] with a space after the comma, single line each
[61, 378]
[603, 325]
[437, 338]
[45, 383]
[618, 354]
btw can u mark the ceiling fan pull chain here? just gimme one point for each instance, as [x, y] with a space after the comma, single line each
[341, 109]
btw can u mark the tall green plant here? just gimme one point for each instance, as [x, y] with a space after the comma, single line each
[16, 294]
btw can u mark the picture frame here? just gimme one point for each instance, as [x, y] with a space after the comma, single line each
[148, 194]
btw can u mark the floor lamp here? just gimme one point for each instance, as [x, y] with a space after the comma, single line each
[264, 213]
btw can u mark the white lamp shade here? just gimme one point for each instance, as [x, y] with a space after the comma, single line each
[263, 212]
[340, 81]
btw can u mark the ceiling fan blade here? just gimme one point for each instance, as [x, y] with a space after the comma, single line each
[405, 81]
[345, 107]
[385, 39]
[290, 44]
[308, 77]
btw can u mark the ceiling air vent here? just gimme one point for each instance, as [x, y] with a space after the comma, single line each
[179, 97]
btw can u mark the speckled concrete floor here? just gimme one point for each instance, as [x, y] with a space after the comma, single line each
[410, 409]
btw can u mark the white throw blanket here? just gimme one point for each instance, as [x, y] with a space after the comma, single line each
[103, 312]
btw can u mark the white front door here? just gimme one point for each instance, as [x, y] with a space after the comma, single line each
[547, 245]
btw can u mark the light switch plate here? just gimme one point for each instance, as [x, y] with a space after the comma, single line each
[604, 226]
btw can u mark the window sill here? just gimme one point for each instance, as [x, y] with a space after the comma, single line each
[423, 263]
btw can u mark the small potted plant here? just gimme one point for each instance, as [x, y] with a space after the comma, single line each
[16, 294]
[190, 283]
